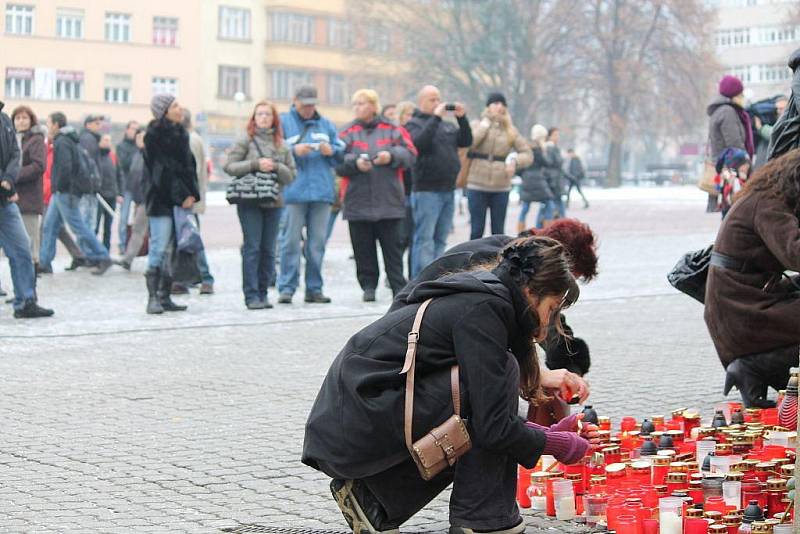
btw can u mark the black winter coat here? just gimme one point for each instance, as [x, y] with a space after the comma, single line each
[65, 152]
[535, 186]
[126, 150]
[437, 143]
[555, 170]
[109, 186]
[9, 151]
[355, 428]
[29, 179]
[170, 174]
[561, 352]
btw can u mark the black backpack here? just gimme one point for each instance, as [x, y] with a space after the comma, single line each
[86, 179]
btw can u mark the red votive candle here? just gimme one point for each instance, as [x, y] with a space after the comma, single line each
[627, 424]
[677, 481]
[523, 482]
[660, 470]
[615, 475]
[627, 524]
[695, 526]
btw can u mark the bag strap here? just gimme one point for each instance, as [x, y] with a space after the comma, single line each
[258, 148]
[410, 366]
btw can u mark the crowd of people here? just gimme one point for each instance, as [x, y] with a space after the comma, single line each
[392, 173]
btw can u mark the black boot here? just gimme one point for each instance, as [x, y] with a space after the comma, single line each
[362, 511]
[753, 374]
[152, 277]
[164, 290]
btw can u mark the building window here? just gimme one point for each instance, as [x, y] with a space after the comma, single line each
[378, 39]
[19, 83]
[773, 73]
[292, 28]
[337, 89]
[777, 35]
[743, 73]
[69, 24]
[286, 82]
[233, 80]
[234, 23]
[118, 27]
[19, 19]
[69, 85]
[733, 37]
[165, 85]
[165, 31]
[118, 89]
[340, 33]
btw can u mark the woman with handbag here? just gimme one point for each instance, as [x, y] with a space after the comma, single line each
[471, 341]
[751, 307]
[494, 140]
[261, 160]
[170, 180]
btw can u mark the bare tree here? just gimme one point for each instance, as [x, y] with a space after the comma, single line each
[648, 60]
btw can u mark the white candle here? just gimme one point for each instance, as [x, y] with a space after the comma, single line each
[565, 508]
[670, 523]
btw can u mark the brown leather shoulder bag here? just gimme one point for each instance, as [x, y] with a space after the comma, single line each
[444, 445]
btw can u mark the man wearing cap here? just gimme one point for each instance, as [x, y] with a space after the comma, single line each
[89, 139]
[13, 238]
[316, 148]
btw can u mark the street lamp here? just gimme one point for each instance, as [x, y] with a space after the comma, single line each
[239, 97]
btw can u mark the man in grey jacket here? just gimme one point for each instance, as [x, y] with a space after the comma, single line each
[13, 238]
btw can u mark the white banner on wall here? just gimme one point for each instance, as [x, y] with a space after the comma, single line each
[44, 83]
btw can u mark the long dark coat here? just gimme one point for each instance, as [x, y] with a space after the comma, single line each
[535, 186]
[742, 317]
[355, 428]
[170, 174]
[29, 179]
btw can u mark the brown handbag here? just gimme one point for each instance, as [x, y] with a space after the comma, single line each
[441, 447]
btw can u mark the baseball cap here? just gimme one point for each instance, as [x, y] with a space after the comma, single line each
[306, 94]
[92, 118]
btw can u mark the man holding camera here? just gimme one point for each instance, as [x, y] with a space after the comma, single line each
[13, 238]
[316, 149]
[435, 172]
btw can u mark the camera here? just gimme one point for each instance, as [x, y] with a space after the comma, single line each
[450, 107]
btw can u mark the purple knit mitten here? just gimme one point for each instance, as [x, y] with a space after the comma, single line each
[568, 424]
[567, 447]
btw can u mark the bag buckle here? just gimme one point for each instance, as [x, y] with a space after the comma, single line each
[413, 337]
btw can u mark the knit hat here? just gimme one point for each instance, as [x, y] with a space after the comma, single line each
[732, 158]
[538, 132]
[496, 97]
[730, 86]
[160, 104]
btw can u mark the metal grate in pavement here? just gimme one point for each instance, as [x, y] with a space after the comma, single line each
[243, 529]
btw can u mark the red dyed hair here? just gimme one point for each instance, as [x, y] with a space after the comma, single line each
[580, 242]
[277, 136]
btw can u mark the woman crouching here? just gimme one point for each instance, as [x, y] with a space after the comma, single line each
[484, 321]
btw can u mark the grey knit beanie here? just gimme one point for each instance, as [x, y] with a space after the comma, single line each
[160, 104]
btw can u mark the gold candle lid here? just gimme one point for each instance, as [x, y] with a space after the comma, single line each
[787, 470]
[713, 515]
[717, 529]
[678, 412]
[723, 448]
[679, 467]
[760, 527]
[676, 478]
[705, 432]
[540, 476]
[734, 476]
[695, 484]
[694, 512]
[666, 454]
[573, 476]
[776, 484]
[661, 461]
[603, 419]
[615, 469]
[640, 466]
[762, 467]
[597, 480]
[731, 520]
[657, 419]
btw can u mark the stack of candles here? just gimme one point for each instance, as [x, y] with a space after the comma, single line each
[674, 475]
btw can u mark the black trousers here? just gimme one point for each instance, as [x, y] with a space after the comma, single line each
[484, 482]
[363, 236]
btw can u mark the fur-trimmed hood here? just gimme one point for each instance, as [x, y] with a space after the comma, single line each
[165, 138]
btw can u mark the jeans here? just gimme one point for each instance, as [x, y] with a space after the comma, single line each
[107, 219]
[124, 217]
[260, 230]
[484, 482]
[314, 216]
[363, 236]
[479, 203]
[64, 208]
[15, 243]
[162, 230]
[546, 212]
[433, 218]
[331, 223]
[88, 210]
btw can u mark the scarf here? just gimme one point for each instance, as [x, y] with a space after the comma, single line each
[748, 130]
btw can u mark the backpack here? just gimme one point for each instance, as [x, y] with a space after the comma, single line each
[86, 180]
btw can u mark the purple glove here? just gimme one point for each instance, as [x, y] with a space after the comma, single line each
[567, 447]
[568, 424]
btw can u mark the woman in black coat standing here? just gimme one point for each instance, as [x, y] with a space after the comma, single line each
[170, 180]
[355, 432]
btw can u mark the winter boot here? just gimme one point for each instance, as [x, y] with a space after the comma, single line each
[753, 374]
[164, 290]
[152, 277]
[362, 511]
[517, 529]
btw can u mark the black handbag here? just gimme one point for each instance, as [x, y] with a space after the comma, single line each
[690, 273]
[255, 188]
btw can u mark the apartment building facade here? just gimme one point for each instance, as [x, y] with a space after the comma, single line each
[110, 57]
[754, 39]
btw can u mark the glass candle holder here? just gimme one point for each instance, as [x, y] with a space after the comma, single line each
[670, 513]
[732, 493]
[628, 524]
[564, 500]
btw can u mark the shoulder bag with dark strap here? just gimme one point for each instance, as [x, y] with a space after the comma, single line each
[441, 447]
[255, 188]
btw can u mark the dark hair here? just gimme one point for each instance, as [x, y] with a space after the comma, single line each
[277, 136]
[58, 118]
[579, 241]
[539, 264]
[550, 131]
[778, 178]
[387, 107]
[187, 118]
[131, 123]
[27, 111]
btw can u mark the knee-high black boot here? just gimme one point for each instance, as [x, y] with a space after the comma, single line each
[753, 374]
[152, 277]
[164, 290]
